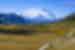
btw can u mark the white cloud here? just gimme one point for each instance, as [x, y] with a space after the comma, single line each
[34, 13]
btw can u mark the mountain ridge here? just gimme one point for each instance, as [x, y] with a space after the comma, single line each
[13, 18]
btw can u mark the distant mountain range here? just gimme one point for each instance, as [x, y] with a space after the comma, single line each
[13, 18]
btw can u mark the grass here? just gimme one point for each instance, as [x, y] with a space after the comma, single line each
[33, 42]
[21, 42]
[9, 42]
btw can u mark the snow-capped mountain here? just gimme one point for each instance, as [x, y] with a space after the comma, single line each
[38, 15]
[13, 18]
[31, 15]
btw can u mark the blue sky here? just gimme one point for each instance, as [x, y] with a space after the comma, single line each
[58, 7]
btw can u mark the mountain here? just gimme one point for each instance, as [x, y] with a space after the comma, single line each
[70, 17]
[13, 18]
[42, 19]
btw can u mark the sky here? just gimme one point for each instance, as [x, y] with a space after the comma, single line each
[59, 8]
